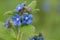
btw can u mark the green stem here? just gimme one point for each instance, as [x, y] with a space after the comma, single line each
[17, 32]
[19, 37]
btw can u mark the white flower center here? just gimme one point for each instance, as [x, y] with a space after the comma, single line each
[17, 19]
[19, 7]
[26, 18]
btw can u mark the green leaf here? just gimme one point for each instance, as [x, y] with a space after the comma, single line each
[9, 13]
[35, 10]
[28, 31]
[6, 34]
[33, 4]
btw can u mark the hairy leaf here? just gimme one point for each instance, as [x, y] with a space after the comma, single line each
[32, 4]
[28, 31]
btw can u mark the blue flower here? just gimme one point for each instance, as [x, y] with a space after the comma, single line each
[19, 7]
[41, 38]
[34, 38]
[16, 19]
[6, 22]
[29, 38]
[26, 18]
[45, 7]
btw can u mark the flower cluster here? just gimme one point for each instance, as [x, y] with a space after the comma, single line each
[39, 37]
[18, 19]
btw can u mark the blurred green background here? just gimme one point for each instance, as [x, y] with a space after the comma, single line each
[45, 21]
